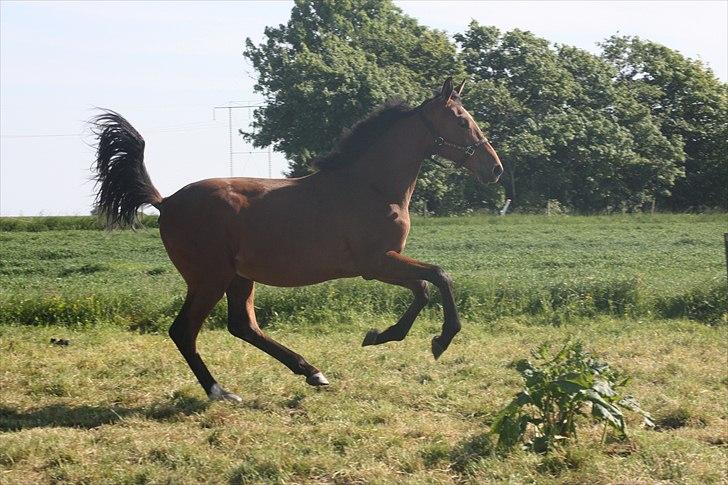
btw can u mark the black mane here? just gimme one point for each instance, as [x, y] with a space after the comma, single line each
[355, 140]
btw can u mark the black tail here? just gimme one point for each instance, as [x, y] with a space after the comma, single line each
[122, 180]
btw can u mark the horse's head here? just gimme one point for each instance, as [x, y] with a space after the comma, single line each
[457, 136]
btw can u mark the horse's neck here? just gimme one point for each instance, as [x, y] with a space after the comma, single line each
[393, 162]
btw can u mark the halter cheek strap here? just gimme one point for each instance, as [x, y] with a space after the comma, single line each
[439, 142]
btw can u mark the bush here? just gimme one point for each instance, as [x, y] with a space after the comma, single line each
[558, 391]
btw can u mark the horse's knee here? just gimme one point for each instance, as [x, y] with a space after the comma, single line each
[422, 293]
[441, 277]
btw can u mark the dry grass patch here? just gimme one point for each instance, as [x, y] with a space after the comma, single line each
[122, 407]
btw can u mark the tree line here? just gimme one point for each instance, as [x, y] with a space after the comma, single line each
[638, 124]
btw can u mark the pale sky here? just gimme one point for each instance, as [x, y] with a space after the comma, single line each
[165, 65]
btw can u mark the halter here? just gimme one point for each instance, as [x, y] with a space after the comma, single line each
[439, 142]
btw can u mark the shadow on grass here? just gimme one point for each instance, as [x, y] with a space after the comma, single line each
[63, 415]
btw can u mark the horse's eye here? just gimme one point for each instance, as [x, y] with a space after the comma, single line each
[463, 122]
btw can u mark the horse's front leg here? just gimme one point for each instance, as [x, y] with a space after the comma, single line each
[399, 330]
[393, 266]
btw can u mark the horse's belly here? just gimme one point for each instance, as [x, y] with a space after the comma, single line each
[291, 275]
[290, 280]
[288, 265]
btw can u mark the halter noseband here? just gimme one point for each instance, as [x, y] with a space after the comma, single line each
[439, 141]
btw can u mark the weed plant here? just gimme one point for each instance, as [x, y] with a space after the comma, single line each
[560, 391]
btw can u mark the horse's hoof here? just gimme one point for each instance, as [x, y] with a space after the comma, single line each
[370, 338]
[317, 379]
[217, 393]
[437, 347]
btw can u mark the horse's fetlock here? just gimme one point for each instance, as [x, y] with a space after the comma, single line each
[399, 337]
[302, 364]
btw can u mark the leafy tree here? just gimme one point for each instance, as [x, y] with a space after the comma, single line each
[690, 104]
[564, 128]
[332, 63]
[595, 133]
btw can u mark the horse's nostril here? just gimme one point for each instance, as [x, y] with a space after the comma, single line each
[498, 170]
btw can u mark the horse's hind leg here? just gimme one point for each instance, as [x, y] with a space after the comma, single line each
[198, 304]
[399, 330]
[242, 324]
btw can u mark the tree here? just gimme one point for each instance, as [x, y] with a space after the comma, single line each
[595, 133]
[690, 104]
[565, 129]
[332, 63]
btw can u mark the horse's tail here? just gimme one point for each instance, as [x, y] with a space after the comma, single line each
[122, 180]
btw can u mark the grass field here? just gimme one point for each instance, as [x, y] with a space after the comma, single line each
[121, 407]
[646, 293]
[551, 268]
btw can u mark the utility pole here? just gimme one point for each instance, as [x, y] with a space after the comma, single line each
[230, 109]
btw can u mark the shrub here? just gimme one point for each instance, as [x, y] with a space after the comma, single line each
[557, 391]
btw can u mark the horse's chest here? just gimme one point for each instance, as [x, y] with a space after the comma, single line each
[399, 226]
[385, 231]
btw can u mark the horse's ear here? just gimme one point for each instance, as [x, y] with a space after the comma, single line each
[459, 89]
[447, 89]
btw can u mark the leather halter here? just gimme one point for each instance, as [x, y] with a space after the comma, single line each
[439, 141]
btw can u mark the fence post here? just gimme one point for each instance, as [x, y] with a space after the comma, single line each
[505, 207]
[725, 242]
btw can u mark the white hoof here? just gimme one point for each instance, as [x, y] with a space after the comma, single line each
[317, 379]
[217, 393]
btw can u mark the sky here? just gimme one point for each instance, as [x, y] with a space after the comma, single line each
[166, 65]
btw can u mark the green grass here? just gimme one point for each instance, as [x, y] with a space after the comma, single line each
[552, 268]
[122, 407]
[57, 223]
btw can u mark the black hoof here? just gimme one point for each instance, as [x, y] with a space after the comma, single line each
[437, 347]
[370, 338]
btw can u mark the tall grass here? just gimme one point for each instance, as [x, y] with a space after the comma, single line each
[550, 268]
[343, 301]
[56, 223]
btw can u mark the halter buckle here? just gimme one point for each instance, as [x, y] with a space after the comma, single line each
[469, 150]
[439, 141]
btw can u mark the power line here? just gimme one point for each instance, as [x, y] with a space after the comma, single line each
[54, 135]
[178, 128]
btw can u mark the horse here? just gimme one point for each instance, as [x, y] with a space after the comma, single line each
[348, 219]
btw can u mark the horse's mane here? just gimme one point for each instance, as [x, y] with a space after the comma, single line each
[355, 140]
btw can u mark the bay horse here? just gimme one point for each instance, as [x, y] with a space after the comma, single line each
[348, 219]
